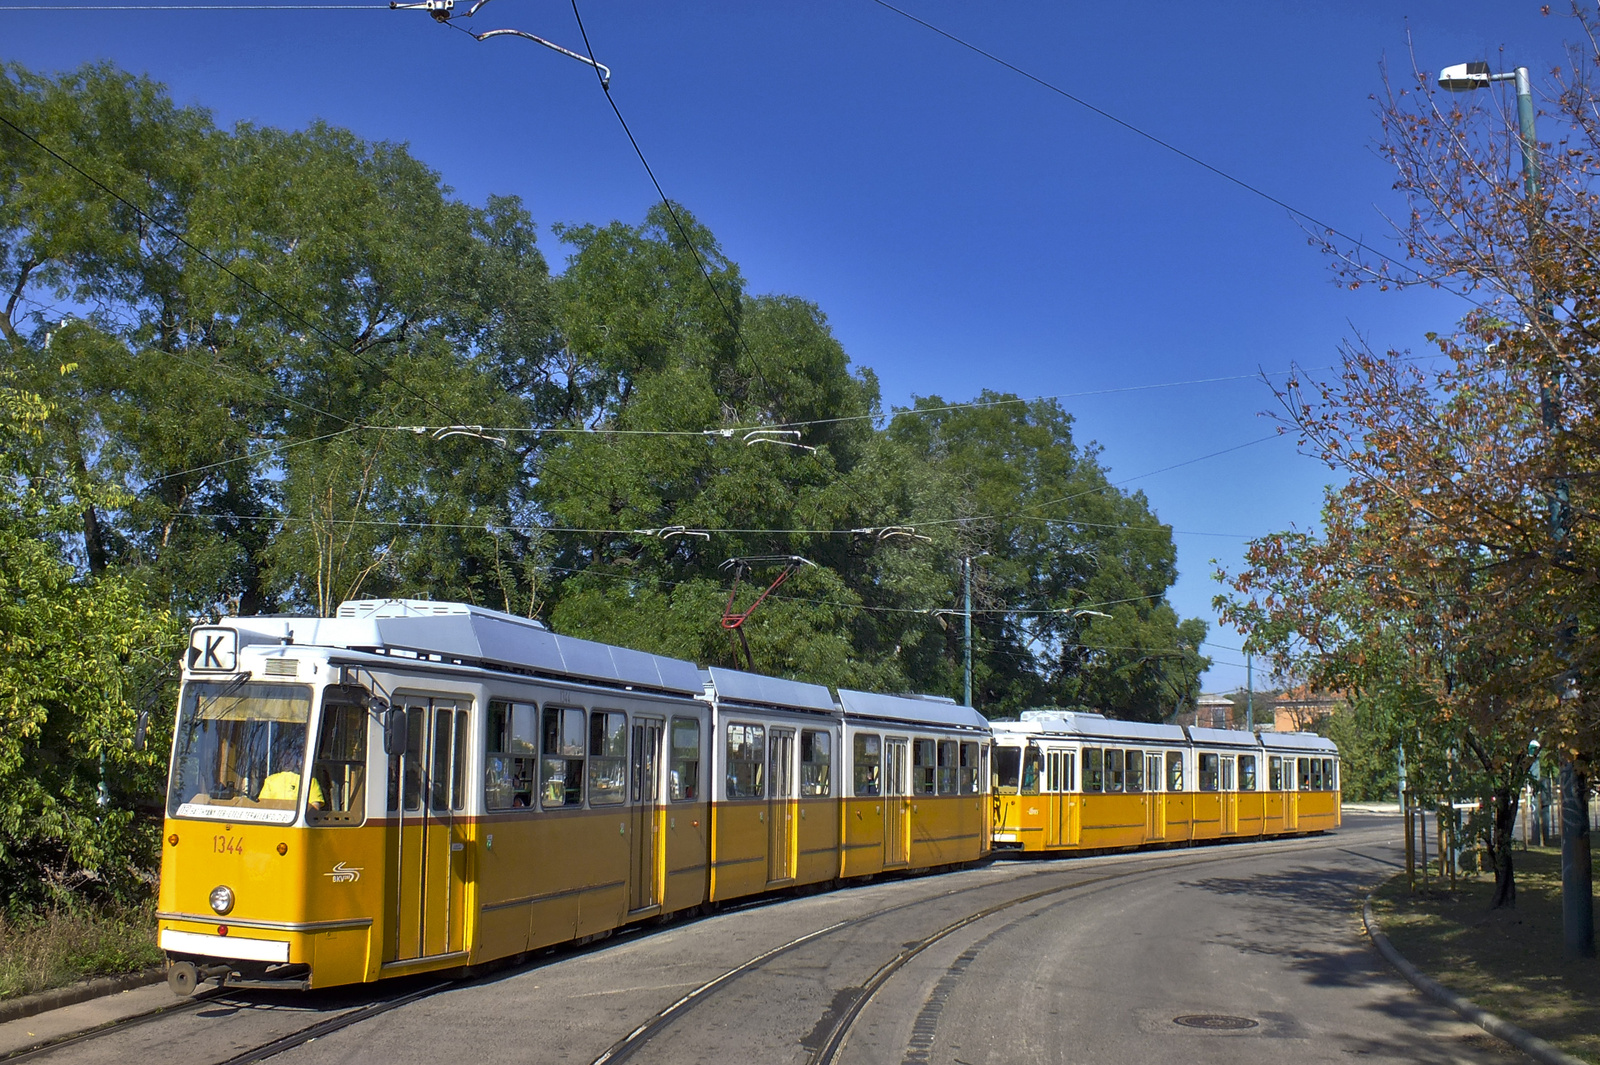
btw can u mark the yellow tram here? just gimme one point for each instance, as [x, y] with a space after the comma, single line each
[1068, 781]
[415, 786]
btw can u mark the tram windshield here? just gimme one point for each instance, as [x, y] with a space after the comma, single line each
[240, 751]
[1007, 769]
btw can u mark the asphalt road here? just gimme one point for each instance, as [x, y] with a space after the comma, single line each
[1082, 960]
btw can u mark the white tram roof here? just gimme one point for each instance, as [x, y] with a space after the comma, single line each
[1223, 737]
[912, 709]
[1298, 741]
[478, 636]
[737, 686]
[1078, 725]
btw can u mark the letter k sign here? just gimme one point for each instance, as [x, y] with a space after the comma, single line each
[213, 650]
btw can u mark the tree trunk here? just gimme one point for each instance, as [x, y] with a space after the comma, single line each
[1577, 880]
[1505, 823]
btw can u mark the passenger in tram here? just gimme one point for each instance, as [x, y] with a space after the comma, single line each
[284, 785]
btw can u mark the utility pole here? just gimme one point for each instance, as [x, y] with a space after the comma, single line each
[1249, 692]
[966, 629]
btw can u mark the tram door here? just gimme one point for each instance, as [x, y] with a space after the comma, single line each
[427, 851]
[1155, 825]
[644, 779]
[1291, 796]
[1230, 797]
[1062, 827]
[780, 806]
[896, 808]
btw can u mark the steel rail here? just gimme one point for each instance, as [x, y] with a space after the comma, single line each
[634, 1041]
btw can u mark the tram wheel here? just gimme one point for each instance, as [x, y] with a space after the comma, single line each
[183, 978]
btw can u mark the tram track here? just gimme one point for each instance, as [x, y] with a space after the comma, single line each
[833, 1036]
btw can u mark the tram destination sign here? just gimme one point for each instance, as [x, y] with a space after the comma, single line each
[213, 649]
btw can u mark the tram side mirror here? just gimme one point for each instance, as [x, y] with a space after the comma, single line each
[394, 731]
[141, 728]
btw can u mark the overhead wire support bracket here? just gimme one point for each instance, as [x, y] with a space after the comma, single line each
[444, 432]
[442, 11]
[670, 531]
[891, 532]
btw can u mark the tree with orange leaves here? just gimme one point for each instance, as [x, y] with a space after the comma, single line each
[1460, 560]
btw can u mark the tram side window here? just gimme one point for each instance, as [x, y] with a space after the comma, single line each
[1302, 774]
[1135, 778]
[1330, 780]
[448, 778]
[747, 751]
[1114, 769]
[1274, 773]
[1316, 774]
[340, 770]
[1094, 775]
[1208, 772]
[608, 755]
[969, 769]
[922, 767]
[1174, 771]
[947, 767]
[1032, 766]
[561, 769]
[683, 783]
[1007, 766]
[869, 761]
[512, 756]
[1247, 772]
[816, 763]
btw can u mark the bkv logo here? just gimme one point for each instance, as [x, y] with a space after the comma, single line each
[343, 874]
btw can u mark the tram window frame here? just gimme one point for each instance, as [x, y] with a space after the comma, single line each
[607, 768]
[866, 767]
[1094, 777]
[447, 775]
[1302, 774]
[1116, 763]
[1316, 774]
[1032, 770]
[816, 763]
[1175, 771]
[924, 768]
[683, 779]
[1133, 781]
[511, 755]
[969, 778]
[1275, 772]
[341, 752]
[949, 754]
[1247, 772]
[562, 735]
[1007, 761]
[1052, 771]
[1330, 774]
[1208, 771]
[745, 775]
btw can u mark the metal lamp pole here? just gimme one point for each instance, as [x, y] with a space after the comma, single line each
[1577, 888]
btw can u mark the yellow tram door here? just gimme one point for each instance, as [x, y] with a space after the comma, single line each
[644, 778]
[1155, 823]
[1062, 811]
[1291, 791]
[780, 806]
[1230, 797]
[427, 851]
[896, 808]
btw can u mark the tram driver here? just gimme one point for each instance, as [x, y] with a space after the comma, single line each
[284, 785]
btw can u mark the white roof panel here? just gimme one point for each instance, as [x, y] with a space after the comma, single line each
[1222, 737]
[753, 688]
[916, 710]
[470, 633]
[1298, 741]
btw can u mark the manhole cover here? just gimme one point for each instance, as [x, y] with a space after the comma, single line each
[1216, 1022]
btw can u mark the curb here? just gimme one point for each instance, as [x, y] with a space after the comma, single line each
[1529, 1044]
[82, 991]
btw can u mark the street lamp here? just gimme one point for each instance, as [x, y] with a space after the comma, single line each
[1576, 889]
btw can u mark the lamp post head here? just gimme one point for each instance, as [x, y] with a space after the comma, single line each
[1464, 77]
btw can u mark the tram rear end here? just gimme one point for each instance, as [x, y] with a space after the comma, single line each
[269, 875]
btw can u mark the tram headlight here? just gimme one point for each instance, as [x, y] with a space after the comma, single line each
[222, 900]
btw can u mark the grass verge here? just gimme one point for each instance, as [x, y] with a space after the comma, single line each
[1507, 961]
[53, 949]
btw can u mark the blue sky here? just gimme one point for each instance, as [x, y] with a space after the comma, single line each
[962, 227]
